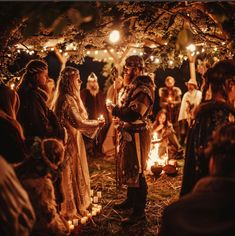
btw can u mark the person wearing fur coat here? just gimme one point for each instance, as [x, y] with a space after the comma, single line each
[73, 116]
[208, 116]
[37, 175]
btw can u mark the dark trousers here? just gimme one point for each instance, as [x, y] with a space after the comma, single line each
[138, 196]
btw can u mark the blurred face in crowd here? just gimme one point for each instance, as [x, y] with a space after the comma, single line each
[75, 76]
[162, 118]
[42, 77]
[191, 87]
[170, 82]
[231, 93]
[93, 84]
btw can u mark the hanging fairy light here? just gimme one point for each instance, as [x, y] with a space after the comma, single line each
[191, 47]
[157, 60]
[114, 36]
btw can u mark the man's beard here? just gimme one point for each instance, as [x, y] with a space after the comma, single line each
[93, 89]
[129, 78]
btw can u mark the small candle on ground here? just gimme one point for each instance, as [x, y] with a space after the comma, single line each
[95, 199]
[99, 194]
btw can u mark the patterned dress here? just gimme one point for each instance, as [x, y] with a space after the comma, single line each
[75, 177]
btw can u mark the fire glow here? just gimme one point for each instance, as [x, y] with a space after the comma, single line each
[154, 158]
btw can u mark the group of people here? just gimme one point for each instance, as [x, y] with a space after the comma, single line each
[45, 147]
[209, 155]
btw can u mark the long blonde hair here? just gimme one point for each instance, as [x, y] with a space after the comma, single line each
[66, 86]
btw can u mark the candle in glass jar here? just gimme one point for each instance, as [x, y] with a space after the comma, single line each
[95, 199]
[75, 222]
[94, 212]
[99, 194]
[83, 220]
[71, 227]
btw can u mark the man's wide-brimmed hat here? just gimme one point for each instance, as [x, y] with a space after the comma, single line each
[192, 81]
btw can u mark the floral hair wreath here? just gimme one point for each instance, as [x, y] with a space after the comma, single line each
[38, 152]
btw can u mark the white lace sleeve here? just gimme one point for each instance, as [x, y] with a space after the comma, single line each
[87, 127]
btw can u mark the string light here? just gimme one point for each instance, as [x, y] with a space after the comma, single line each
[191, 47]
[170, 62]
[114, 36]
[156, 60]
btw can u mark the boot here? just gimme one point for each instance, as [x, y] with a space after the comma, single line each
[128, 203]
[139, 203]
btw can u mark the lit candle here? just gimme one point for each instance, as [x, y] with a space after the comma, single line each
[95, 199]
[99, 194]
[92, 192]
[172, 162]
[71, 227]
[169, 98]
[108, 102]
[75, 222]
[94, 212]
[70, 222]
[12, 86]
[91, 199]
[101, 117]
[83, 220]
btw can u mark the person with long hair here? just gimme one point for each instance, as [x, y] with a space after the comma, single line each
[71, 112]
[133, 113]
[12, 140]
[209, 115]
[209, 208]
[166, 134]
[34, 115]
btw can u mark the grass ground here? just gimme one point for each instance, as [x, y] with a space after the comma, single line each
[161, 192]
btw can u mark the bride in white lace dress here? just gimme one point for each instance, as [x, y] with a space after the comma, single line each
[71, 112]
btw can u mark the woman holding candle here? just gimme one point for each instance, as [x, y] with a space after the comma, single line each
[169, 143]
[72, 114]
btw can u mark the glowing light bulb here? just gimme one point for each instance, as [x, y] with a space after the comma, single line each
[191, 47]
[114, 36]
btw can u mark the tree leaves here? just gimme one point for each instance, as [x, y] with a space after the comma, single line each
[184, 38]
